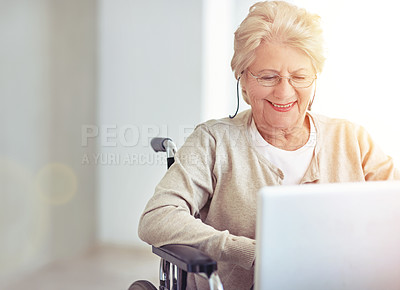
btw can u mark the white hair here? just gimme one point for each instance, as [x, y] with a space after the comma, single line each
[277, 21]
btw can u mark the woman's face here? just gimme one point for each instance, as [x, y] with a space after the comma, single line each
[280, 107]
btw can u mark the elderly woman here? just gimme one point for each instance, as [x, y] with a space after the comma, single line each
[207, 199]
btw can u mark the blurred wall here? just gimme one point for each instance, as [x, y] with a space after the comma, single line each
[84, 85]
[47, 91]
[150, 56]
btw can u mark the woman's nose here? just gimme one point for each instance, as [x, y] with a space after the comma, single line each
[283, 89]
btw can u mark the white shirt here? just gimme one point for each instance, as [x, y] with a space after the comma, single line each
[293, 164]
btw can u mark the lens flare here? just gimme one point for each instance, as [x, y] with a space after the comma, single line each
[56, 183]
[24, 218]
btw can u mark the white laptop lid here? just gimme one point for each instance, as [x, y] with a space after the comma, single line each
[334, 236]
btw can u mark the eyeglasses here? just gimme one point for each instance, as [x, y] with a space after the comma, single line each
[296, 81]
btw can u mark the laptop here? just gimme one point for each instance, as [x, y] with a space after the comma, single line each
[329, 236]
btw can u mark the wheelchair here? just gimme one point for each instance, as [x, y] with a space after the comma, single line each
[178, 260]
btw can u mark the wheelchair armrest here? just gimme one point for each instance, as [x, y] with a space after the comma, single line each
[187, 258]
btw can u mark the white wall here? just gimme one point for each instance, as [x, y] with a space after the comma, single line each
[359, 81]
[47, 85]
[149, 84]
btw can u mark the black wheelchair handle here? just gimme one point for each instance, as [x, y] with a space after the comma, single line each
[158, 144]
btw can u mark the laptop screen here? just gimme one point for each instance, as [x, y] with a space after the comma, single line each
[329, 236]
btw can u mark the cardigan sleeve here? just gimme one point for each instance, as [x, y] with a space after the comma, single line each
[172, 216]
[376, 164]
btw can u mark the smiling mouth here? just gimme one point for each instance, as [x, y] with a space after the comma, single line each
[282, 106]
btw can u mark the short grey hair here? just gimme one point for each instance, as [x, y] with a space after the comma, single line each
[277, 21]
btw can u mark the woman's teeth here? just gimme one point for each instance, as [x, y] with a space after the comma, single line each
[282, 106]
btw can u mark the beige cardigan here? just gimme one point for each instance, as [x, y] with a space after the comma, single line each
[207, 199]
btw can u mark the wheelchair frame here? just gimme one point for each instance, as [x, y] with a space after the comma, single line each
[181, 259]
